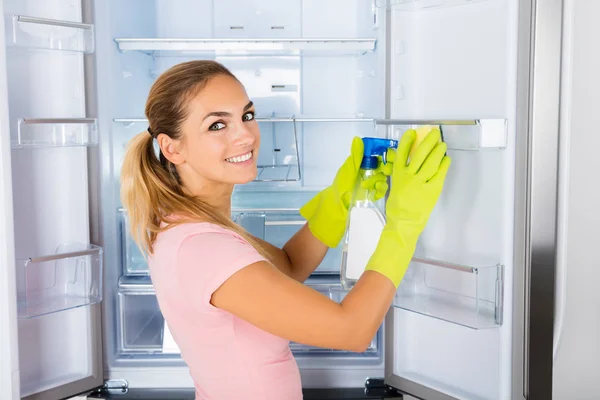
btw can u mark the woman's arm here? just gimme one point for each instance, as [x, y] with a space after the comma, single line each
[300, 256]
[280, 305]
[271, 300]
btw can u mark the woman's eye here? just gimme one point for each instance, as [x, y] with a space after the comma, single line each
[249, 116]
[216, 126]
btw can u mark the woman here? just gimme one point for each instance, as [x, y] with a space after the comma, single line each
[233, 302]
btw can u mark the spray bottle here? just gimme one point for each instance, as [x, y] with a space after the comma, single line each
[365, 219]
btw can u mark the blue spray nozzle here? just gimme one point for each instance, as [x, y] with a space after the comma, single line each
[374, 147]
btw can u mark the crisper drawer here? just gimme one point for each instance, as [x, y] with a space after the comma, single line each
[337, 294]
[278, 226]
[141, 322]
[142, 329]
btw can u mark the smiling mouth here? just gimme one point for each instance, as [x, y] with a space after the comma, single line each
[239, 159]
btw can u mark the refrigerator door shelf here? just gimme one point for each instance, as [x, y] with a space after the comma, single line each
[247, 46]
[70, 278]
[48, 132]
[468, 134]
[414, 5]
[49, 34]
[460, 294]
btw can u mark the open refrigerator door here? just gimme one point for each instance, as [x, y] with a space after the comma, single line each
[57, 269]
[461, 323]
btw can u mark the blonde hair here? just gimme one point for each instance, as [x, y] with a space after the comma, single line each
[151, 190]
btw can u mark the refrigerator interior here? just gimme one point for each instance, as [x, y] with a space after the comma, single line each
[354, 68]
[58, 270]
[305, 137]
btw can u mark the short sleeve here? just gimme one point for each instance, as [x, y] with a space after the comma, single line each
[207, 259]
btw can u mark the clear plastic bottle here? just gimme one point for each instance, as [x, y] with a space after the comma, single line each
[365, 219]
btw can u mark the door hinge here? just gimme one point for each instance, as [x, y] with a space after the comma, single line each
[377, 386]
[115, 386]
[374, 383]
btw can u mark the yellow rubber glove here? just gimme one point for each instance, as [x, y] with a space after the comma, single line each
[415, 189]
[327, 212]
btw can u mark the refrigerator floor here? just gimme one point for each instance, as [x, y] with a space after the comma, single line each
[309, 394]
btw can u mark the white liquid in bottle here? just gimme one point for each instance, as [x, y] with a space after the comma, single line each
[364, 230]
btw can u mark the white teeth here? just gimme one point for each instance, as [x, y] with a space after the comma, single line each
[240, 158]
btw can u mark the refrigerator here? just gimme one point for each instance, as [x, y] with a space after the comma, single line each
[473, 317]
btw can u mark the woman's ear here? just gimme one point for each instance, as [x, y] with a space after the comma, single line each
[171, 148]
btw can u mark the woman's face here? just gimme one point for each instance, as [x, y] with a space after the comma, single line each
[221, 138]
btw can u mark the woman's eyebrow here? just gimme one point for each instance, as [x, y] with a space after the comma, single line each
[225, 113]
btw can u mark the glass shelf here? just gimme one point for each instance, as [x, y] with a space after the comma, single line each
[53, 132]
[264, 201]
[464, 295]
[413, 5]
[247, 47]
[277, 227]
[278, 173]
[476, 134]
[278, 158]
[473, 134]
[299, 118]
[44, 33]
[72, 277]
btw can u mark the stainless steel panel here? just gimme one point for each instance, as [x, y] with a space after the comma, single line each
[536, 202]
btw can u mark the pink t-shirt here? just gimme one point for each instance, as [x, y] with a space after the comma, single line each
[228, 357]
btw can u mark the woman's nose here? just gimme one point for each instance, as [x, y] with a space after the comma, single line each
[242, 135]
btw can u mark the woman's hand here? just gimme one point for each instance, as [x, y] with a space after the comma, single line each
[416, 187]
[327, 212]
